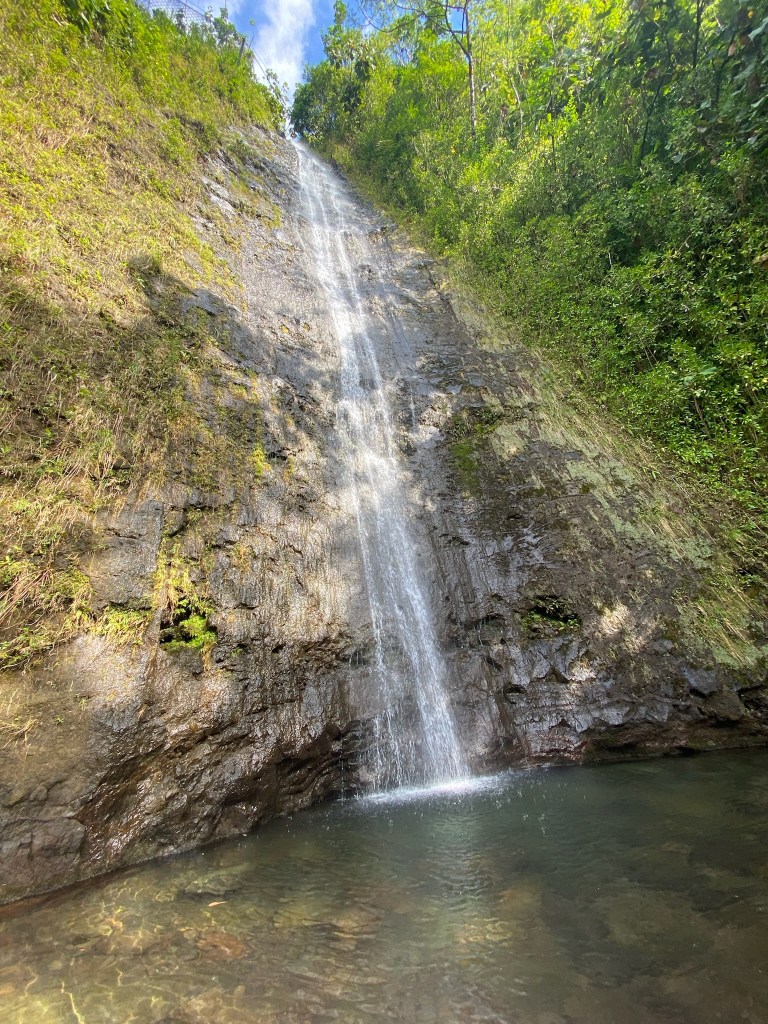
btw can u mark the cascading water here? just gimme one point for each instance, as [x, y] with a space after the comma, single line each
[415, 739]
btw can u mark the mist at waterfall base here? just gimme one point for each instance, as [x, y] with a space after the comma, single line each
[415, 737]
[629, 894]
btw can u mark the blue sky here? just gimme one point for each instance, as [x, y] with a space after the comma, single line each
[285, 34]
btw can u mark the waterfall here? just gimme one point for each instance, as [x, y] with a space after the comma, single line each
[415, 740]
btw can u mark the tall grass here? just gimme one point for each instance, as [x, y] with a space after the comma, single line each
[106, 114]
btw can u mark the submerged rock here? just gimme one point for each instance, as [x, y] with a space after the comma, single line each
[217, 883]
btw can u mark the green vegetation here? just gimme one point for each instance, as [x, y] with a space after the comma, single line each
[183, 598]
[599, 172]
[469, 431]
[122, 625]
[107, 116]
[260, 461]
[549, 617]
[189, 628]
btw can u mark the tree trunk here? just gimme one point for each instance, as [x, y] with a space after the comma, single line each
[472, 100]
[697, 34]
[471, 75]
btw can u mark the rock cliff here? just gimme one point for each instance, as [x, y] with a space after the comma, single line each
[579, 610]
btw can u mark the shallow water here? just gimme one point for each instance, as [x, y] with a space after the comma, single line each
[603, 895]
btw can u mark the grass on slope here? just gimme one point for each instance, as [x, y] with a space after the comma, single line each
[105, 117]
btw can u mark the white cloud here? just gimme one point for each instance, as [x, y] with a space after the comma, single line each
[281, 41]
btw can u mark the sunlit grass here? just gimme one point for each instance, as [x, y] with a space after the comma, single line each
[102, 146]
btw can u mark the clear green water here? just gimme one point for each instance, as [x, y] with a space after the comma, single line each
[607, 895]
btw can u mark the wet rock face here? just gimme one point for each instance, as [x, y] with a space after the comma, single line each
[250, 689]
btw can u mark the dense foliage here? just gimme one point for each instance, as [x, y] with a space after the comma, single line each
[198, 68]
[613, 199]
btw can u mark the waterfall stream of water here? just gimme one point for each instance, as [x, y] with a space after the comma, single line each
[416, 740]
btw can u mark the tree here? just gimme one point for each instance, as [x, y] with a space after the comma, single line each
[442, 17]
[326, 103]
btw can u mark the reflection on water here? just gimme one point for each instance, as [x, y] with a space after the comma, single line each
[613, 895]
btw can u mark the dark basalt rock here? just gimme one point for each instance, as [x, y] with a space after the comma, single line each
[558, 605]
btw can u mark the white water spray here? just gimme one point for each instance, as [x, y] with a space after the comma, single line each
[416, 740]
